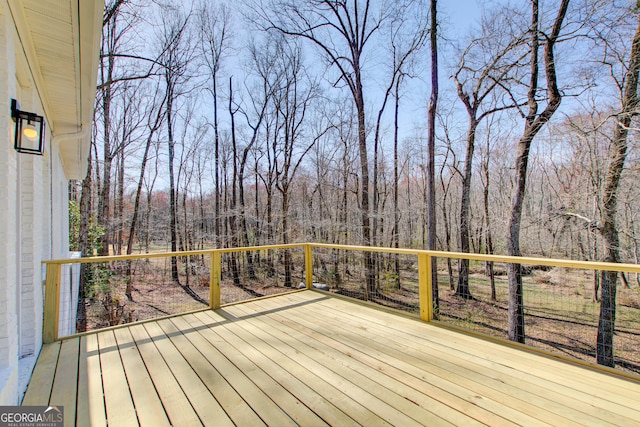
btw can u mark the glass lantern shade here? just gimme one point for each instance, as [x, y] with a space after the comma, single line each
[29, 132]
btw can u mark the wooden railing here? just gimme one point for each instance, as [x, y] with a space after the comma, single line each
[424, 262]
[54, 275]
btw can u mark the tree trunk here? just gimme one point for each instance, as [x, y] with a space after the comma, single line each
[609, 231]
[271, 268]
[83, 246]
[489, 237]
[185, 241]
[119, 211]
[447, 243]
[285, 235]
[234, 198]
[104, 199]
[431, 144]
[370, 288]
[257, 204]
[202, 223]
[173, 220]
[216, 166]
[243, 219]
[534, 122]
[445, 218]
[463, 290]
[134, 217]
[109, 48]
[149, 200]
[396, 177]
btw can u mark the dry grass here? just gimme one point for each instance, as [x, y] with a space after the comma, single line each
[560, 316]
[154, 294]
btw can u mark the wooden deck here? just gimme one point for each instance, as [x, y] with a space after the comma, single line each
[311, 359]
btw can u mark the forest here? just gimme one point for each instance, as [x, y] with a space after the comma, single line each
[375, 123]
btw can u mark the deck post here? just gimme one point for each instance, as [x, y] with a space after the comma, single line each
[425, 284]
[308, 265]
[214, 279]
[51, 303]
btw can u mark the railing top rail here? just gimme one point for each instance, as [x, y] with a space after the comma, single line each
[94, 259]
[401, 251]
[551, 262]
[169, 254]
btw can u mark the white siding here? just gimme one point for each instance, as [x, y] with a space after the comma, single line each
[33, 220]
[8, 232]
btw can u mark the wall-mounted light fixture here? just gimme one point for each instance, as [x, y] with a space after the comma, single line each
[29, 136]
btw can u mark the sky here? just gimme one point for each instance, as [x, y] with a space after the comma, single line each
[459, 13]
[456, 17]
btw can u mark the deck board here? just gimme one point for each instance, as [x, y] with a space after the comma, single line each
[65, 383]
[546, 368]
[117, 396]
[342, 380]
[203, 402]
[573, 397]
[308, 358]
[294, 368]
[149, 409]
[399, 396]
[172, 397]
[491, 379]
[206, 363]
[234, 347]
[264, 393]
[39, 390]
[448, 394]
[90, 399]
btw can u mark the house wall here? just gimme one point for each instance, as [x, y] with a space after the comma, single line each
[33, 220]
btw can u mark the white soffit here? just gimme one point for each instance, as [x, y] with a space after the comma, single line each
[61, 39]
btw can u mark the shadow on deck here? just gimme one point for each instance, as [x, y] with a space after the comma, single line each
[307, 358]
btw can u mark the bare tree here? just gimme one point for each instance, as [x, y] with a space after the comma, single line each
[154, 121]
[488, 65]
[293, 100]
[233, 226]
[129, 118]
[263, 60]
[431, 150]
[396, 179]
[149, 185]
[176, 55]
[121, 71]
[446, 180]
[534, 121]
[111, 40]
[342, 31]
[485, 162]
[215, 36]
[86, 210]
[609, 225]
[407, 33]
